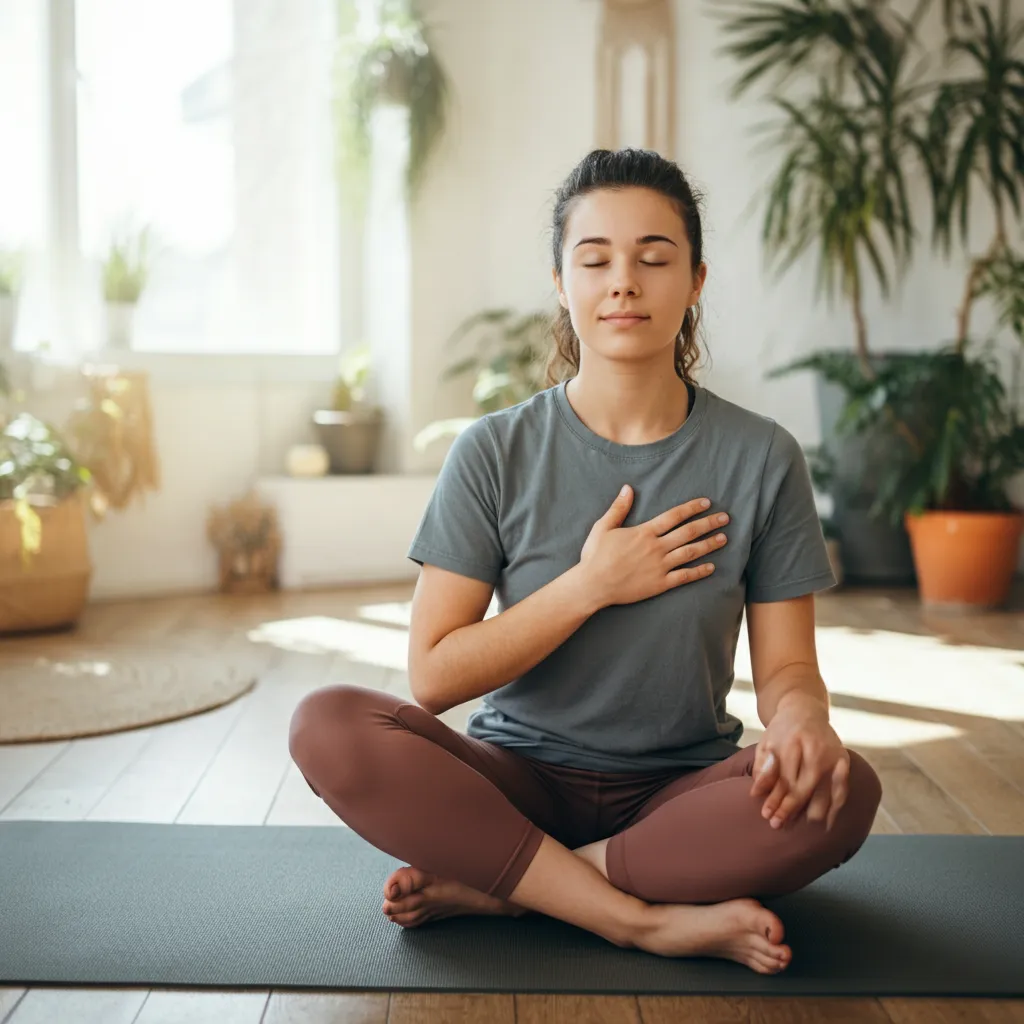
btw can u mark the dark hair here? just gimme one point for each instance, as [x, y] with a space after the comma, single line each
[625, 168]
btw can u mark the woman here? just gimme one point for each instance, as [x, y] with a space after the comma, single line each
[601, 781]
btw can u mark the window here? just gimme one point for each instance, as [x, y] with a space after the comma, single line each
[23, 185]
[207, 123]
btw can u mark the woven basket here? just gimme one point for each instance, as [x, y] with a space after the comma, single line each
[52, 589]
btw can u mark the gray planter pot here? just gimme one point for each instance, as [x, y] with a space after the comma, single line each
[873, 550]
[351, 438]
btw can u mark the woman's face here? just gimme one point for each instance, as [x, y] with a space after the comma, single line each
[626, 273]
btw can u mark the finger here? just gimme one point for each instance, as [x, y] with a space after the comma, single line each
[840, 788]
[817, 809]
[796, 799]
[673, 517]
[777, 795]
[766, 772]
[792, 764]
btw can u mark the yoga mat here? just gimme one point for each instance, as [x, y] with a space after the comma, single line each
[250, 906]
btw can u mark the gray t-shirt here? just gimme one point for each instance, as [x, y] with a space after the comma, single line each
[638, 686]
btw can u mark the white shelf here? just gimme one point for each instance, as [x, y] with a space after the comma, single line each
[347, 528]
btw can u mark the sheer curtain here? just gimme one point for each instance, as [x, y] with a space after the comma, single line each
[209, 123]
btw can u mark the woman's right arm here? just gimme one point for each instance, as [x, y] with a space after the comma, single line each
[456, 655]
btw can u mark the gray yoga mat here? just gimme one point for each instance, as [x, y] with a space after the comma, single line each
[249, 906]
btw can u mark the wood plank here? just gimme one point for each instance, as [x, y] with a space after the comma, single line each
[327, 1008]
[174, 1006]
[914, 802]
[76, 781]
[83, 1006]
[21, 763]
[452, 1008]
[158, 783]
[884, 825]
[240, 786]
[554, 1008]
[813, 1009]
[9, 998]
[694, 1009]
[954, 1011]
[296, 804]
[969, 780]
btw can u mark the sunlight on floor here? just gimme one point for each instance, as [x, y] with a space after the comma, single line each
[322, 634]
[927, 690]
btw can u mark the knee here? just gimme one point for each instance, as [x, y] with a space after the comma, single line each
[864, 795]
[322, 727]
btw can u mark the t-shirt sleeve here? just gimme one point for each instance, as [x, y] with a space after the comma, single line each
[788, 557]
[459, 527]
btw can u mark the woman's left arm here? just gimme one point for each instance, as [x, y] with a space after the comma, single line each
[799, 760]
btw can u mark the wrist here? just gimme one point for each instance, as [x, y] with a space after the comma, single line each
[585, 595]
[802, 702]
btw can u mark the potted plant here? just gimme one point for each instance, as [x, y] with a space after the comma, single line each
[961, 130]
[387, 59]
[350, 429]
[45, 569]
[840, 190]
[125, 273]
[509, 361]
[10, 286]
[947, 480]
[48, 480]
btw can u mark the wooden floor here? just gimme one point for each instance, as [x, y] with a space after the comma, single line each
[935, 703]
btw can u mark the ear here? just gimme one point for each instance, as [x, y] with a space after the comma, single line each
[699, 277]
[562, 299]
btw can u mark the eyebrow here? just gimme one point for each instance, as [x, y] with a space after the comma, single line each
[646, 240]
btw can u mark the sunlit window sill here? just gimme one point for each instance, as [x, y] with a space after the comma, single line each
[187, 368]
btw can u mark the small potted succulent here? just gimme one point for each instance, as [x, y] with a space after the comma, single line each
[125, 274]
[350, 429]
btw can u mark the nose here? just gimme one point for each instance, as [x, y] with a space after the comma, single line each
[624, 284]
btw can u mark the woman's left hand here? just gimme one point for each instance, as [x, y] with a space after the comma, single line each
[799, 758]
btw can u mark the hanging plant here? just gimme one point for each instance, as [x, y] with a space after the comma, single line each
[392, 63]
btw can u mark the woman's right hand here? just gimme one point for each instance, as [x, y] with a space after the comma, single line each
[626, 564]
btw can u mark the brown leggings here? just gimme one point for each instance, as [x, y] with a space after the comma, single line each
[476, 812]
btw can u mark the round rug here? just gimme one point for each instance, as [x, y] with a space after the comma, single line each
[63, 688]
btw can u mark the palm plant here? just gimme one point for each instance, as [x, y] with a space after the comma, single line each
[953, 432]
[841, 184]
[975, 143]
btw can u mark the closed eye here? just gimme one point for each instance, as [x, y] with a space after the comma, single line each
[646, 263]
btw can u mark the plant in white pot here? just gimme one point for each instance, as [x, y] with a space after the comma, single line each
[10, 286]
[350, 429]
[125, 274]
[509, 364]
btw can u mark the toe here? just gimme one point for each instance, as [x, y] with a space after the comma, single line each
[765, 964]
[771, 928]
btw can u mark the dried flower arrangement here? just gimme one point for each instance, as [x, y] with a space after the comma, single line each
[246, 535]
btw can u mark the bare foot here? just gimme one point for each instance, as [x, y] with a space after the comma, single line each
[741, 930]
[423, 897]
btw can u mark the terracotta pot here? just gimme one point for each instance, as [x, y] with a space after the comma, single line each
[965, 558]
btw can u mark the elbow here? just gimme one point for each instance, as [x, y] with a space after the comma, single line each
[422, 690]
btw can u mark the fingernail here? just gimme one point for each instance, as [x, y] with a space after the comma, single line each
[776, 822]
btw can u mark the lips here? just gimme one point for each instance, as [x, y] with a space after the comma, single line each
[625, 316]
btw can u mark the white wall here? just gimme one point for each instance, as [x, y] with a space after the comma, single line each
[219, 426]
[523, 79]
[523, 114]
